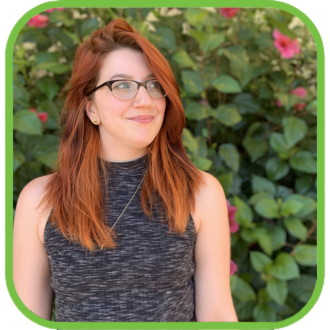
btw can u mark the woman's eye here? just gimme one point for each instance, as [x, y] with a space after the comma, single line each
[122, 85]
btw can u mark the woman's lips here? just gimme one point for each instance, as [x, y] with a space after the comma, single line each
[142, 120]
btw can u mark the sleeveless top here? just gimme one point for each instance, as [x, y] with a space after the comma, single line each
[148, 277]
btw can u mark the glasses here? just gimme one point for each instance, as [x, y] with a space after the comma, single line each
[127, 89]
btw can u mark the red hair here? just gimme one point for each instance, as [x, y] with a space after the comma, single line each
[74, 190]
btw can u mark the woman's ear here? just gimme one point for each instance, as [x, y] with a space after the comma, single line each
[90, 110]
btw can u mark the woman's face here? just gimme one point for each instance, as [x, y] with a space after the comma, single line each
[120, 136]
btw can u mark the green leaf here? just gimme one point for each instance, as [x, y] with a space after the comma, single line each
[278, 142]
[21, 95]
[264, 40]
[203, 164]
[312, 107]
[57, 16]
[27, 122]
[308, 202]
[303, 161]
[265, 93]
[54, 67]
[302, 288]
[227, 115]
[295, 227]
[19, 159]
[267, 208]
[226, 84]
[197, 111]
[260, 184]
[248, 236]
[263, 239]
[212, 41]
[255, 198]
[264, 313]
[291, 207]
[88, 26]
[244, 309]
[278, 237]
[288, 100]
[48, 86]
[44, 148]
[189, 141]
[277, 290]
[246, 104]
[44, 57]
[259, 261]
[226, 181]
[196, 17]
[294, 130]
[242, 290]
[192, 81]
[306, 254]
[229, 154]
[168, 38]
[303, 184]
[57, 34]
[198, 35]
[244, 214]
[239, 64]
[276, 168]
[256, 147]
[184, 59]
[285, 268]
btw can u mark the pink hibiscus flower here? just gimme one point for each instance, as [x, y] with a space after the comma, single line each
[233, 225]
[38, 21]
[229, 12]
[233, 268]
[299, 91]
[43, 116]
[287, 47]
[300, 106]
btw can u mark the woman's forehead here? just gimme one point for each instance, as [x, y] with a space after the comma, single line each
[125, 63]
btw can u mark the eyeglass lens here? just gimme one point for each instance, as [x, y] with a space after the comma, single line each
[128, 89]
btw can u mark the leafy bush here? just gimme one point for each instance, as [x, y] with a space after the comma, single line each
[248, 86]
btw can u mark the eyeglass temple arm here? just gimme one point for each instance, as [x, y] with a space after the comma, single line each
[104, 84]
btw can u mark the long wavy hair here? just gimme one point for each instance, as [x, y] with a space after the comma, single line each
[74, 191]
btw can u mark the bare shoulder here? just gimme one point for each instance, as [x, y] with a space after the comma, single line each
[209, 195]
[27, 203]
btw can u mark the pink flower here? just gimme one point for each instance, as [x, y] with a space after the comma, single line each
[279, 103]
[299, 91]
[233, 225]
[43, 116]
[50, 10]
[300, 106]
[233, 268]
[229, 12]
[38, 21]
[287, 47]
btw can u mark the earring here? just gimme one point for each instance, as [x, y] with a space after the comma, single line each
[95, 121]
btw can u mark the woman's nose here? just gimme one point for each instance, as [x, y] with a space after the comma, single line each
[143, 97]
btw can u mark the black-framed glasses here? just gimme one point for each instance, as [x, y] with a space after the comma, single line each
[124, 89]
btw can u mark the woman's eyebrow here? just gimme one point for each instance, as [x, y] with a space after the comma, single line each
[123, 75]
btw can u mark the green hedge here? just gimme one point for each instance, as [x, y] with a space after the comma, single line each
[249, 95]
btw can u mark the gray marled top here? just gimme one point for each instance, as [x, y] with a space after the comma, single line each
[148, 277]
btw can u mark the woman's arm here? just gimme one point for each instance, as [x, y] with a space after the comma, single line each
[30, 264]
[213, 300]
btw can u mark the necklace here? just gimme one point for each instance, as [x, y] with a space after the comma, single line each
[130, 199]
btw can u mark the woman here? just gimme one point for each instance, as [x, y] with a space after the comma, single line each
[126, 228]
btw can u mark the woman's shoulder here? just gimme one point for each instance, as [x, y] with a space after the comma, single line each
[210, 193]
[28, 202]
